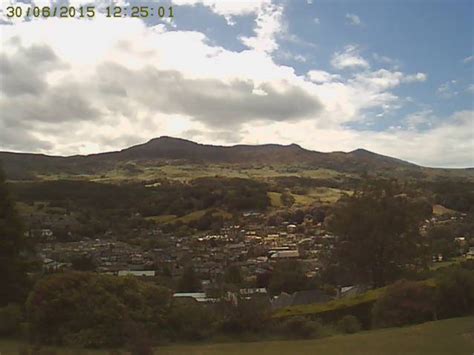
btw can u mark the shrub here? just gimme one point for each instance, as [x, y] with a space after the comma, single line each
[248, 316]
[301, 327]
[10, 320]
[91, 310]
[349, 324]
[191, 321]
[404, 302]
[455, 292]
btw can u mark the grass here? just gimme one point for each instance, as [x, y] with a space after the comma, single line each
[186, 172]
[275, 199]
[452, 336]
[442, 264]
[338, 304]
[439, 210]
[312, 309]
[190, 217]
[318, 194]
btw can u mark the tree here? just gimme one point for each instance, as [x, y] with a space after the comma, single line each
[442, 241]
[189, 282]
[83, 263]
[288, 276]
[287, 199]
[91, 310]
[378, 233]
[12, 244]
[233, 276]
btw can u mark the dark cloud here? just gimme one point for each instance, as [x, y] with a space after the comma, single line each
[21, 140]
[210, 101]
[23, 72]
[65, 103]
[30, 106]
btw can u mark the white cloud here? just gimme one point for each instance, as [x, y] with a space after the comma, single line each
[350, 58]
[317, 21]
[447, 90]
[268, 26]
[449, 143]
[468, 59]
[353, 19]
[470, 89]
[321, 76]
[127, 91]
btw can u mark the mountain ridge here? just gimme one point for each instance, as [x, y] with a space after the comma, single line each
[166, 149]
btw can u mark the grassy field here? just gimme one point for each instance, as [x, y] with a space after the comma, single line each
[186, 172]
[193, 216]
[439, 210]
[452, 336]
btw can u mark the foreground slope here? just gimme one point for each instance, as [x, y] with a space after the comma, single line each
[451, 336]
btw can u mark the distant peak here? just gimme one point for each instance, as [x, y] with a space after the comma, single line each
[361, 151]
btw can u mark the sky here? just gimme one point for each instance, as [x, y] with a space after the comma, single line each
[395, 77]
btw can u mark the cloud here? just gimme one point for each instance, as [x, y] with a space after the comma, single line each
[468, 59]
[210, 101]
[321, 76]
[350, 58]
[268, 26]
[449, 143]
[447, 90]
[22, 71]
[317, 21]
[228, 8]
[85, 97]
[353, 19]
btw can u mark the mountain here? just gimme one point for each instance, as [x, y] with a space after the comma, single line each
[165, 150]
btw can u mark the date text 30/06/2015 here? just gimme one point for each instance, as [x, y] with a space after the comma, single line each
[89, 11]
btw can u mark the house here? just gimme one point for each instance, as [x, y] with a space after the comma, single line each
[143, 273]
[199, 297]
[285, 254]
[50, 265]
[291, 228]
[470, 254]
[349, 291]
[300, 298]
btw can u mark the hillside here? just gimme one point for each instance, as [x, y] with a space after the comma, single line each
[174, 151]
[452, 336]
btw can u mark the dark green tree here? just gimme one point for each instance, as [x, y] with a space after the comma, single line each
[378, 233]
[233, 276]
[189, 281]
[12, 247]
[288, 276]
[93, 310]
[83, 263]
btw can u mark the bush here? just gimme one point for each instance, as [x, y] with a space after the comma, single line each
[191, 321]
[301, 327]
[404, 302]
[455, 293]
[10, 320]
[91, 310]
[349, 324]
[248, 316]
